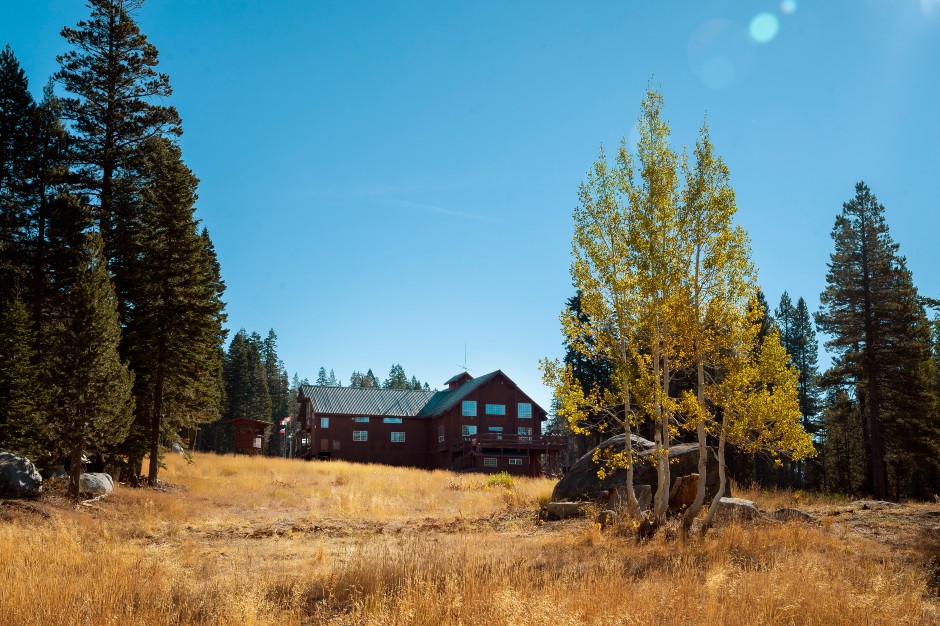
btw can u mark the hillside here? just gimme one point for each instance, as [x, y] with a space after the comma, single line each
[268, 541]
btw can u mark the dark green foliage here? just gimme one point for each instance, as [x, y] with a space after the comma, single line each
[591, 373]
[322, 378]
[397, 379]
[93, 388]
[368, 380]
[114, 108]
[843, 449]
[16, 156]
[174, 327]
[879, 332]
[23, 395]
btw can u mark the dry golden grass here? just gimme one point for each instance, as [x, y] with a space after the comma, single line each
[269, 541]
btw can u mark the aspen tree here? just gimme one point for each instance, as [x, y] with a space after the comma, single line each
[600, 270]
[657, 249]
[720, 278]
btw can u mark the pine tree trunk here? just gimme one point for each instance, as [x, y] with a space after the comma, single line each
[75, 471]
[155, 428]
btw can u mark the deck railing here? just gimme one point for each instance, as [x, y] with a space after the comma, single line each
[511, 440]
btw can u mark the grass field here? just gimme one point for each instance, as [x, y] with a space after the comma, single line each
[270, 541]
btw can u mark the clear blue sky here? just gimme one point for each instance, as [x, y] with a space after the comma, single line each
[387, 182]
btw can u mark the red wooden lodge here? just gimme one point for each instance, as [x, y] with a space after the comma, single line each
[248, 435]
[484, 424]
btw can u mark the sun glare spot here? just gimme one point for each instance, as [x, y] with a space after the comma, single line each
[764, 27]
[788, 7]
[930, 7]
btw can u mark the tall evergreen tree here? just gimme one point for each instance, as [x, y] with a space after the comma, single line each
[23, 393]
[115, 106]
[397, 379]
[322, 378]
[804, 352]
[785, 316]
[16, 124]
[93, 387]
[878, 330]
[173, 331]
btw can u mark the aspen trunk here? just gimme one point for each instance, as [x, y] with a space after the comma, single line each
[713, 507]
[692, 512]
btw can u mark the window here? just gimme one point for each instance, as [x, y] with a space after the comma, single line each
[360, 435]
[524, 410]
[467, 430]
[441, 434]
[469, 408]
[398, 437]
[324, 422]
[496, 409]
[489, 461]
[495, 429]
[515, 461]
[336, 444]
[524, 432]
[361, 420]
[391, 420]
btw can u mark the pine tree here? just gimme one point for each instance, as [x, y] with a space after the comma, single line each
[785, 316]
[93, 388]
[115, 107]
[878, 330]
[332, 380]
[23, 394]
[16, 154]
[173, 331]
[397, 379]
[804, 352]
[322, 378]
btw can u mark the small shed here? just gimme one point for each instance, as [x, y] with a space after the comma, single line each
[248, 435]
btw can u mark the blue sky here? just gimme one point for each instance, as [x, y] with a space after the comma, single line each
[389, 182]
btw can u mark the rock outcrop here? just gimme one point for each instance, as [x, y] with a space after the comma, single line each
[736, 509]
[581, 481]
[18, 476]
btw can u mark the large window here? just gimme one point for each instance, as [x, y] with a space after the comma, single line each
[524, 410]
[360, 435]
[489, 461]
[496, 409]
[469, 408]
[398, 437]
[467, 430]
[324, 422]
[391, 420]
[361, 420]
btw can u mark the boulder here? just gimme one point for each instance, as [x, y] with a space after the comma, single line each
[736, 509]
[791, 515]
[581, 481]
[683, 492]
[97, 484]
[563, 510]
[643, 494]
[18, 476]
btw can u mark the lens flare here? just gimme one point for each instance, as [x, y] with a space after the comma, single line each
[788, 7]
[764, 27]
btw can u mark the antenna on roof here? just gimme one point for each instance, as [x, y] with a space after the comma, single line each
[464, 366]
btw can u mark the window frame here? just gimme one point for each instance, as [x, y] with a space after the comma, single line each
[400, 438]
[468, 430]
[466, 406]
[361, 420]
[515, 461]
[495, 409]
[324, 422]
[360, 435]
[391, 420]
[519, 411]
[490, 461]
